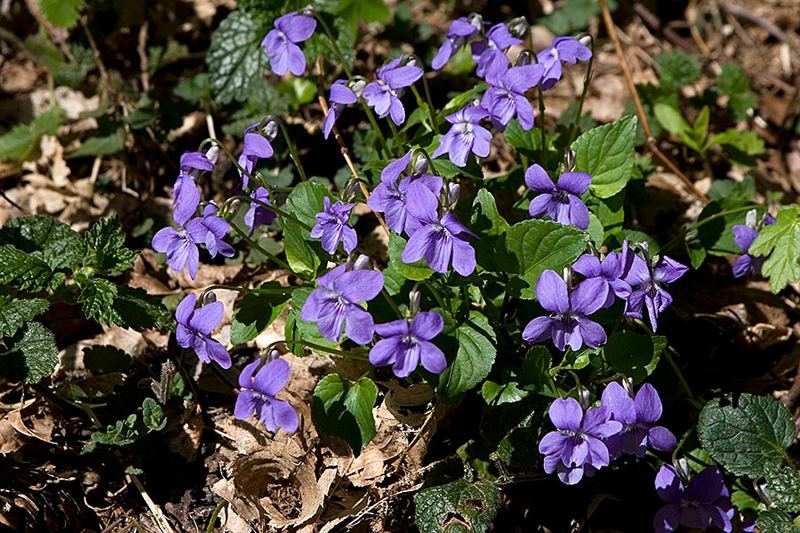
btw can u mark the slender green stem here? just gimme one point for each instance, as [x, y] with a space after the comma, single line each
[586, 81]
[278, 211]
[701, 223]
[437, 296]
[431, 165]
[542, 126]
[376, 128]
[395, 134]
[391, 303]
[427, 104]
[668, 354]
[334, 45]
[255, 176]
[245, 237]
[292, 148]
[214, 515]
[333, 351]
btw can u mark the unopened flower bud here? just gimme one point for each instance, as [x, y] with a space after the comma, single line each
[213, 154]
[350, 190]
[584, 398]
[273, 354]
[357, 86]
[569, 160]
[414, 302]
[412, 61]
[761, 490]
[525, 57]
[362, 262]
[453, 192]
[751, 218]
[518, 27]
[476, 20]
[627, 384]
[209, 298]
[585, 40]
[682, 468]
[308, 11]
[270, 130]
[419, 164]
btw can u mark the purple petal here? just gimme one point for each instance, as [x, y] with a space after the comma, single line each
[183, 313]
[246, 376]
[164, 239]
[647, 404]
[743, 266]
[619, 403]
[571, 50]
[668, 270]
[744, 236]
[538, 329]
[296, 58]
[667, 519]
[463, 256]
[195, 161]
[206, 318]
[299, 28]
[393, 170]
[385, 351]
[359, 325]
[574, 182]
[566, 414]
[272, 377]
[432, 357]
[217, 353]
[418, 244]
[186, 198]
[403, 76]
[541, 204]
[578, 213]
[359, 285]
[245, 405]
[421, 203]
[706, 486]
[661, 439]
[588, 296]
[668, 484]
[427, 325]
[553, 443]
[536, 178]
[551, 291]
[588, 266]
[257, 145]
[184, 336]
[407, 360]
[284, 415]
[443, 55]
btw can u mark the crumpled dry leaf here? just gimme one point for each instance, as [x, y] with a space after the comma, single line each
[38, 426]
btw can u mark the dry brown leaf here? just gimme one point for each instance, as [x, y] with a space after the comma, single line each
[10, 440]
[38, 427]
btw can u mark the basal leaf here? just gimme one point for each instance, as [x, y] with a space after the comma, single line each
[101, 145]
[62, 13]
[257, 310]
[417, 271]
[634, 354]
[344, 409]
[105, 242]
[14, 312]
[46, 238]
[783, 487]
[300, 256]
[607, 153]
[22, 141]
[474, 358]
[97, 297]
[26, 271]
[475, 504]
[32, 356]
[305, 201]
[235, 57]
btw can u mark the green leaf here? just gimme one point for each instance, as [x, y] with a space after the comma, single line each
[344, 33]
[742, 146]
[140, 311]
[297, 328]
[121, 433]
[47, 238]
[607, 153]
[486, 219]
[14, 312]
[677, 69]
[634, 354]
[747, 437]
[462, 99]
[101, 145]
[533, 246]
[783, 487]
[417, 271]
[302, 259]
[300, 91]
[235, 58]
[775, 521]
[781, 242]
[499, 393]
[97, 296]
[671, 119]
[734, 83]
[32, 357]
[107, 253]
[27, 271]
[194, 89]
[344, 409]
[475, 505]
[258, 309]
[62, 13]
[22, 141]
[474, 359]
[305, 201]
[366, 11]
[153, 415]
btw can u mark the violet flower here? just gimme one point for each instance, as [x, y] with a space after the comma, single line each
[637, 416]
[406, 342]
[561, 202]
[216, 229]
[441, 240]
[490, 53]
[609, 271]
[257, 214]
[389, 197]
[576, 447]
[647, 285]
[465, 135]
[256, 147]
[505, 97]
[341, 95]
[185, 194]
[180, 245]
[567, 324]
[281, 43]
[257, 395]
[384, 93]
[461, 29]
[567, 49]
[336, 303]
[332, 227]
[195, 327]
[705, 502]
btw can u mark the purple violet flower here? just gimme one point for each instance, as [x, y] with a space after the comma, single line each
[567, 324]
[567, 49]
[216, 229]
[281, 43]
[576, 447]
[440, 240]
[258, 215]
[195, 327]
[384, 93]
[609, 271]
[561, 202]
[406, 342]
[185, 194]
[256, 147]
[505, 96]
[461, 29]
[257, 395]
[465, 135]
[180, 245]
[637, 416]
[705, 502]
[490, 53]
[332, 227]
[744, 235]
[341, 96]
[336, 303]
[389, 197]
[647, 285]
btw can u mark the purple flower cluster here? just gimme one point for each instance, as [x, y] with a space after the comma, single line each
[342, 95]
[280, 43]
[702, 503]
[257, 395]
[332, 227]
[560, 201]
[586, 441]
[391, 79]
[648, 279]
[195, 327]
[407, 342]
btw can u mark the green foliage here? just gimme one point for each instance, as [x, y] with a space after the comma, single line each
[476, 504]
[781, 242]
[70, 73]
[63, 13]
[775, 521]
[417, 271]
[105, 242]
[97, 296]
[677, 69]
[257, 310]
[14, 312]
[746, 437]
[783, 487]
[32, 354]
[634, 354]
[22, 141]
[607, 153]
[355, 11]
[305, 201]
[152, 415]
[573, 16]
[120, 433]
[474, 358]
[45, 238]
[235, 57]
[734, 83]
[109, 144]
[344, 409]
[28, 272]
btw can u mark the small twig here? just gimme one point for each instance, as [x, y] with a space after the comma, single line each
[144, 61]
[769, 26]
[12, 202]
[158, 514]
[98, 60]
[651, 142]
[346, 155]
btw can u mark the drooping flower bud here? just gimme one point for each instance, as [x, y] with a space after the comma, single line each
[519, 27]
[525, 57]
[476, 20]
[213, 154]
[414, 298]
[585, 40]
[362, 262]
[682, 467]
[627, 384]
[273, 354]
[307, 11]
[569, 160]
[751, 218]
[209, 298]
[357, 86]
[584, 398]
[419, 164]
[270, 130]
[452, 192]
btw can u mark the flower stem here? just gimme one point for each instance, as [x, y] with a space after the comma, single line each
[292, 148]
[255, 176]
[700, 223]
[542, 126]
[420, 102]
[269, 207]
[391, 303]
[586, 81]
[437, 296]
[245, 237]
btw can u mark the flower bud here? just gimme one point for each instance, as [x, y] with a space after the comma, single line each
[273, 354]
[751, 218]
[627, 384]
[414, 302]
[213, 154]
[761, 490]
[307, 11]
[419, 164]
[569, 160]
[362, 262]
[411, 61]
[584, 398]
[476, 20]
[357, 86]
[518, 27]
[453, 190]
[585, 40]
[682, 468]
[209, 298]
[525, 57]
[270, 130]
